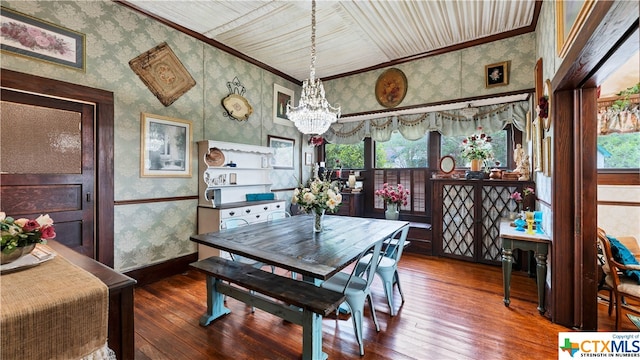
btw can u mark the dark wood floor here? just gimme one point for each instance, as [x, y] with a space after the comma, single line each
[453, 310]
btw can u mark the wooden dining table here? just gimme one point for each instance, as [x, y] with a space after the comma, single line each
[291, 244]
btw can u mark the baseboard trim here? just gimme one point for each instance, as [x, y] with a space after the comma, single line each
[155, 272]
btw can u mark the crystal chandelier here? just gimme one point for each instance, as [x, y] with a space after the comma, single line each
[313, 115]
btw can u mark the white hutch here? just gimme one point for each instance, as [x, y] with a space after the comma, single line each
[230, 175]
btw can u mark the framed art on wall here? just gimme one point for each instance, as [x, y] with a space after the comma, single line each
[570, 16]
[391, 88]
[496, 74]
[283, 151]
[165, 146]
[163, 73]
[538, 164]
[281, 97]
[27, 36]
[308, 158]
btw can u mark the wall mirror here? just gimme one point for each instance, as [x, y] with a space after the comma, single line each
[447, 164]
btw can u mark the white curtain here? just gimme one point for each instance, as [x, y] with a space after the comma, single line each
[492, 118]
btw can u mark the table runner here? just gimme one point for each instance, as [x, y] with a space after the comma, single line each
[55, 310]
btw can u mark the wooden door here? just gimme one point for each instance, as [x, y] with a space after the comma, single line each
[47, 167]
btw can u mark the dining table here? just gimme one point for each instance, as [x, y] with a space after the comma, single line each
[291, 243]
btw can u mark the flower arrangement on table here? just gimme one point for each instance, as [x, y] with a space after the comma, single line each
[393, 194]
[317, 196]
[477, 147]
[518, 198]
[23, 232]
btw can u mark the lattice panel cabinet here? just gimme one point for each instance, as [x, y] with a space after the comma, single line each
[466, 217]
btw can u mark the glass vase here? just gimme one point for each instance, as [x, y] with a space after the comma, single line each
[318, 219]
[392, 212]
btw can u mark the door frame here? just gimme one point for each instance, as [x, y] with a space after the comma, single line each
[601, 46]
[104, 155]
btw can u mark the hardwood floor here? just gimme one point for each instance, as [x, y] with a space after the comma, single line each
[453, 310]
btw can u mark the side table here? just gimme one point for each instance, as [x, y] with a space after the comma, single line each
[538, 243]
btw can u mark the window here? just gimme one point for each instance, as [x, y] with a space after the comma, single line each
[351, 156]
[619, 151]
[452, 145]
[399, 152]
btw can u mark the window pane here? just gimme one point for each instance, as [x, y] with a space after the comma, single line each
[351, 156]
[399, 152]
[51, 143]
[452, 145]
[619, 151]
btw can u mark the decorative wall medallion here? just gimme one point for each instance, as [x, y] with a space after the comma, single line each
[235, 104]
[163, 73]
[391, 87]
[237, 107]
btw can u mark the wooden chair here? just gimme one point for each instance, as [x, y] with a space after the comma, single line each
[622, 286]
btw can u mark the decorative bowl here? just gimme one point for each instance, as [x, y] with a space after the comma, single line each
[16, 254]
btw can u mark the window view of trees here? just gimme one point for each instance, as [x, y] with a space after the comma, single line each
[399, 152]
[619, 151]
[351, 156]
[452, 145]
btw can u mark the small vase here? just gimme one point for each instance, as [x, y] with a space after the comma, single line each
[392, 212]
[476, 164]
[16, 254]
[318, 219]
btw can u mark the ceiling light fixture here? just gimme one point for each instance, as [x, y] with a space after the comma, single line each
[313, 115]
[469, 112]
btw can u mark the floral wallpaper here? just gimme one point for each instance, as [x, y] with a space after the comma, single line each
[153, 232]
[149, 233]
[454, 75]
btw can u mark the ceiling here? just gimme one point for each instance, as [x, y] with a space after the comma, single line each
[351, 35]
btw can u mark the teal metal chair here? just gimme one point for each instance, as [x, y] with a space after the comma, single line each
[357, 290]
[388, 265]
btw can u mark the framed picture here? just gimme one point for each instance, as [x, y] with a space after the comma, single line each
[283, 150]
[391, 88]
[165, 147]
[570, 16]
[546, 149]
[163, 73]
[537, 78]
[538, 163]
[29, 37]
[281, 97]
[496, 74]
[308, 158]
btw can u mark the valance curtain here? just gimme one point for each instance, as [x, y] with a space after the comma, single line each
[492, 118]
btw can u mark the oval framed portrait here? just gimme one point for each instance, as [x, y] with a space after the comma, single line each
[391, 87]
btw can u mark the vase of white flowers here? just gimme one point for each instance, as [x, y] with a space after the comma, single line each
[317, 197]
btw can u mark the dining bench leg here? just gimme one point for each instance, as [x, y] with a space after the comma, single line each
[215, 302]
[312, 336]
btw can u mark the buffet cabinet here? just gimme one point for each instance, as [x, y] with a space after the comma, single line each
[466, 217]
[234, 183]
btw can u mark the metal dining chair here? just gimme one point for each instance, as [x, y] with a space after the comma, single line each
[357, 290]
[388, 265]
[281, 214]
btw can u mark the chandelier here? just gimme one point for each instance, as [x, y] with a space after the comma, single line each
[469, 112]
[313, 115]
